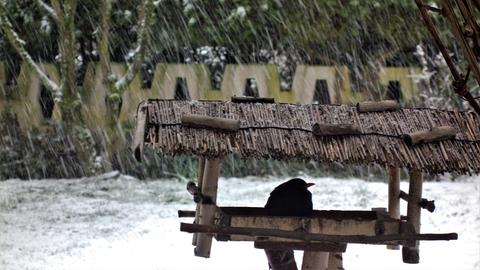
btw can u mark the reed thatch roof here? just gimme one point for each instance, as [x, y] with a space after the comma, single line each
[283, 131]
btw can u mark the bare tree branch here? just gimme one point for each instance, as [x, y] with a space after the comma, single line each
[138, 54]
[103, 39]
[18, 44]
[48, 9]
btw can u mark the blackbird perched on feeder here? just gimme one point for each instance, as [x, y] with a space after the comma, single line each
[291, 198]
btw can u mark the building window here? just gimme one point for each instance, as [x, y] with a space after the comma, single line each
[251, 88]
[181, 89]
[46, 102]
[321, 94]
[394, 90]
[146, 74]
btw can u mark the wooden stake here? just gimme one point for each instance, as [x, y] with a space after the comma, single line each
[207, 211]
[335, 261]
[201, 169]
[411, 254]
[314, 260]
[433, 135]
[393, 197]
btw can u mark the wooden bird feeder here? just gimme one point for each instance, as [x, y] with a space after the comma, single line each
[363, 134]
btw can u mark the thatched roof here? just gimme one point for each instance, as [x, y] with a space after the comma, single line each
[283, 131]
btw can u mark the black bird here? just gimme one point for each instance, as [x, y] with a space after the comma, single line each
[291, 198]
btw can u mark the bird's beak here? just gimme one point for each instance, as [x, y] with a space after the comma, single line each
[309, 184]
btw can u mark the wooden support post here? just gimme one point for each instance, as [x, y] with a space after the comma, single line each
[201, 169]
[411, 254]
[335, 261]
[394, 197]
[139, 134]
[207, 211]
[315, 260]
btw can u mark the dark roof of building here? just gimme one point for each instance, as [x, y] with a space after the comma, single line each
[283, 131]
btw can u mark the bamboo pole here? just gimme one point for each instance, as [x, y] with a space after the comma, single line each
[201, 170]
[207, 211]
[411, 254]
[314, 260]
[394, 197]
[335, 261]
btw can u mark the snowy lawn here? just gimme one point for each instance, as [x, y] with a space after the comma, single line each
[125, 223]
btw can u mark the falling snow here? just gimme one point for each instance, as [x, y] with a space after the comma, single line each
[119, 222]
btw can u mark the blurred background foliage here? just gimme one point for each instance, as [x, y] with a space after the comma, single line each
[317, 31]
[359, 34]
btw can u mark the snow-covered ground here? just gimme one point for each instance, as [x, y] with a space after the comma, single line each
[125, 223]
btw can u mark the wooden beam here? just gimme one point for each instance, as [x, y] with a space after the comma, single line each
[359, 239]
[433, 135]
[200, 172]
[139, 133]
[308, 246]
[320, 129]
[314, 260]
[207, 211]
[202, 121]
[393, 197]
[378, 106]
[335, 261]
[412, 254]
